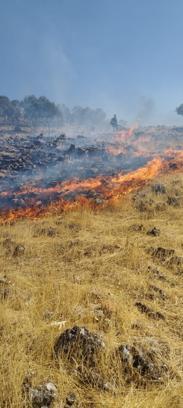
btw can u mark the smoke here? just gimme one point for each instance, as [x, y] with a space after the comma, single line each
[146, 110]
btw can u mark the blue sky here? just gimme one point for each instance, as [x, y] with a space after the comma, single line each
[123, 56]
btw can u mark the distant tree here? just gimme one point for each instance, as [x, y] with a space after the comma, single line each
[9, 111]
[114, 123]
[30, 108]
[47, 109]
[17, 111]
[40, 110]
[4, 106]
[179, 109]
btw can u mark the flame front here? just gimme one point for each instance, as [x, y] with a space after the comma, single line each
[96, 192]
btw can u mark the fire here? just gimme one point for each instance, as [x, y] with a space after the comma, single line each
[71, 185]
[121, 139]
[92, 193]
[116, 150]
[145, 173]
[124, 135]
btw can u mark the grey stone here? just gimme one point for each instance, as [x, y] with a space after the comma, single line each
[43, 395]
[80, 344]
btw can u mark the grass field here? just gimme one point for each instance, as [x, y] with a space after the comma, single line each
[95, 269]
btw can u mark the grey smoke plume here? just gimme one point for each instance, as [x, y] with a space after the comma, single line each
[146, 110]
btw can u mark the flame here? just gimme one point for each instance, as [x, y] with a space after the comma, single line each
[68, 186]
[124, 134]
[144, 173]
[120, 141]
[116, 150]
[90, 193]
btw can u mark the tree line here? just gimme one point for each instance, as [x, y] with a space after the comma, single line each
[41, 111]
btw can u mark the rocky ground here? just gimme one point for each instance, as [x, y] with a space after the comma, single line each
[32, 156]
[91, 305]
[43, 156]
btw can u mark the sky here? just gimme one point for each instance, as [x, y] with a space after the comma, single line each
[125, 56]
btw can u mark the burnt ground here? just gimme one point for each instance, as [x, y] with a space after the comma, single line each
[35, 158]
[26, 154]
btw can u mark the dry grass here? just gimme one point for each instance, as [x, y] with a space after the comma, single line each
[77, 264]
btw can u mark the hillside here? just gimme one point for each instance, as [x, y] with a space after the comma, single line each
[111, 272]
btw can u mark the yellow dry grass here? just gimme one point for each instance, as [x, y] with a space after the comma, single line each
[91, 260]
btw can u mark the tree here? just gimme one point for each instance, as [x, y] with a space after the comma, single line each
[30, 107]
[39, 110]
[9, 111]
[179, 109]
[114, 123]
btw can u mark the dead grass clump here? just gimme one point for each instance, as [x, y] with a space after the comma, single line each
[47, 231]
[5, 287]
[12, 248]
[163, 254]
[156, 315]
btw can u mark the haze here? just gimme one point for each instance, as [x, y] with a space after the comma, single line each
[123, 56]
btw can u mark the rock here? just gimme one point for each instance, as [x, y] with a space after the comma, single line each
[43, 395]
[78, 344]
[135, 359]
[144, 362]
[19, 250]
[70, 400]
[173, 201]
[149, 312]
[99, 201]
[158, 188]
[154, 232]
[83, 350]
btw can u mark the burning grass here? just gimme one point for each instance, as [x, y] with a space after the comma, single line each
[93, 270]
[35, 201]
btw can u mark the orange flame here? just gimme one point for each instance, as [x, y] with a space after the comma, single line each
[120, 140]
[103, 190]
[124, 134]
